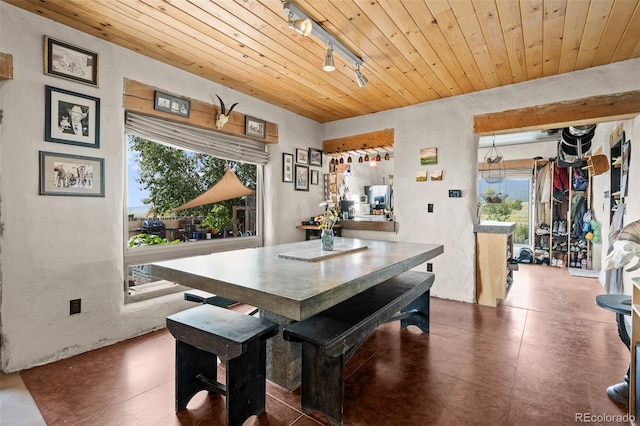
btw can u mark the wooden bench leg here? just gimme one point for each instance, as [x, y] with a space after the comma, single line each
[322, 385]
[191, 362]
[420, 310]
[246, 383]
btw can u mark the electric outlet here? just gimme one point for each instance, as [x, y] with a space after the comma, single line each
[75, 306]
[429, 267]
[429, 208]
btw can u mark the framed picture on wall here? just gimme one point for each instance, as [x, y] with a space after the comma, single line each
[302, 156]
[255, 127]
[71, 118]
[315, 177]
[287, 167]
[172, 104]
[71, 175]
[302, 178]
[315, 157]
[65, 60]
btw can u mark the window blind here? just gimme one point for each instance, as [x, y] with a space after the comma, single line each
[220, 145]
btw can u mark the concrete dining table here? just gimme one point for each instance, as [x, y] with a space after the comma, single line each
[292, 282]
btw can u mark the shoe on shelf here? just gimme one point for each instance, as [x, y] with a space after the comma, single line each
[555, 226]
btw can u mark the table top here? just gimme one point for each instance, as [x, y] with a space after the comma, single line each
[292, 288]
[618, 303]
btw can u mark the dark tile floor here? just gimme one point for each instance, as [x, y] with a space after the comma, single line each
[544, 355]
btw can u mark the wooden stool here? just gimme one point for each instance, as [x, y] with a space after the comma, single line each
[207, 332]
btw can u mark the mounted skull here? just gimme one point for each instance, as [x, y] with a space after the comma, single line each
[223, 117]
[625, 248]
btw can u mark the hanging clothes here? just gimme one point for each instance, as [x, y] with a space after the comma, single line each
[578, 209]
[560, 183]
[613, 277]
[543, 193]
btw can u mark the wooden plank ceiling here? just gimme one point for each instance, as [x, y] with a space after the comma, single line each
[414, 50]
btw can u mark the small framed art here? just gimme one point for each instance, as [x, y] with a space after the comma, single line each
[315, 157]
[172, 104]
[302, 178]
[315, 177]
[287, 167]
[302, 156]
[255, 127]
[71, 175]
[65, 60]
[71, 118]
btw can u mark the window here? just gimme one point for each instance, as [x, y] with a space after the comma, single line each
[515, 208]
[166, 215]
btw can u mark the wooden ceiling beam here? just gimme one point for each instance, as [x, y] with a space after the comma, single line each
[595, 109]
[363, 141]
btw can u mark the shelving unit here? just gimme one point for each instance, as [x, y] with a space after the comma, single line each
[615, 174]
[494, 272]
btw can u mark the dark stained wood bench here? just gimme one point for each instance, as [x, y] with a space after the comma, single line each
[331, 337]
[207, 332]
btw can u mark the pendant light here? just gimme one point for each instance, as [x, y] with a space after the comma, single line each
[328, 59]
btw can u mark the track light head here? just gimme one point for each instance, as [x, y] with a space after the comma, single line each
[328, 60]
[360, 79]
[301, 26]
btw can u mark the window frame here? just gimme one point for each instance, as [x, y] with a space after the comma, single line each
[145, 255]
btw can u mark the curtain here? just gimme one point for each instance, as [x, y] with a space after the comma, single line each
[217, 144]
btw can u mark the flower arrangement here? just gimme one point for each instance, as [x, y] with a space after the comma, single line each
[329, 217]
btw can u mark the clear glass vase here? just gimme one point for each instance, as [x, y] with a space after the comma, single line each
[327, 239]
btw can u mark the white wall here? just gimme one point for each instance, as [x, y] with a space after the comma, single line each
[59, 248]
[55, 249]
[448, 125]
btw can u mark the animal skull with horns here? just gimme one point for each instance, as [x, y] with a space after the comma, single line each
[223, 117]
[625, 248]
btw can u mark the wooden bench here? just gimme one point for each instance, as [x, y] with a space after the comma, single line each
[207, 332]
[331, 337]
[203, 297]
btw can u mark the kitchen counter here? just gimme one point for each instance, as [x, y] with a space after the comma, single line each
[363, 224]
[494, 227]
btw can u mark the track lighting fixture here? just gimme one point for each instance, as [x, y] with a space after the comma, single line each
[328, 60]
[387, 156]
[360, 79]
[341, 160]
[301, 26]
[366, 157]
[360, 159]
[378, 157]
[298, 21]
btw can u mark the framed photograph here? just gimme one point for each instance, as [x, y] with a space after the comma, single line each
[315, 177]
[65, 60]
[71, 118]
[302, 178]
[255, 127]
[287, 167]
[302, 156]
[71, 175]
[437, 174]
[172, 104]
[315, 157]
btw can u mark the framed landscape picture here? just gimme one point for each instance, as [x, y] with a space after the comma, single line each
[65, 60]
[71, 175]
[287, 167]
[302, 178]
[71, 118]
